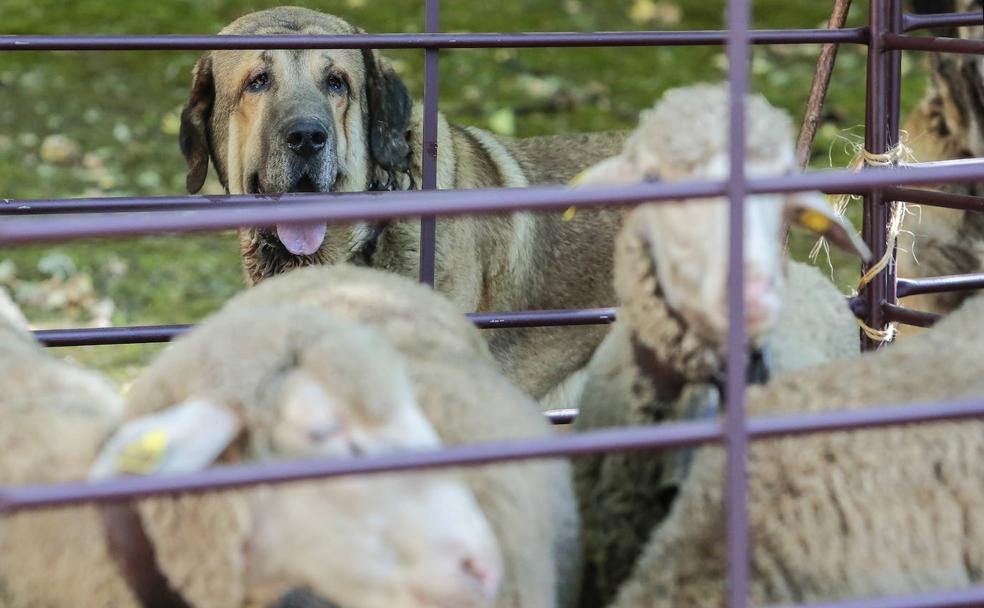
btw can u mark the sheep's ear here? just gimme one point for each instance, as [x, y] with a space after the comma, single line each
[611, 172]
[811, 211]
[181, 439]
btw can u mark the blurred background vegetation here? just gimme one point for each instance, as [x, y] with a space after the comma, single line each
[78, 124]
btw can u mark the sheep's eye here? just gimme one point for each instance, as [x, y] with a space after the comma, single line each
[336, 84]
[322, 434]
[260, 82]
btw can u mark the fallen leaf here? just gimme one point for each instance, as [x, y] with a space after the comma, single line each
[503, 121]
[8, 272]
[57, 264]
[647, 11]
[59, 149]
[171, 123]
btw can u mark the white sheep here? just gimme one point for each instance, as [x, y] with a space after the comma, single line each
[885, 511]
[664, 356]
[530, 505]
[264, 385]
[48, 398]
[53, 418]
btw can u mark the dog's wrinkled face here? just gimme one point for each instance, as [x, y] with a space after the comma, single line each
[274, 121]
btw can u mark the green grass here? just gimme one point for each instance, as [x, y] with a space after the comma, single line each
[121, 109]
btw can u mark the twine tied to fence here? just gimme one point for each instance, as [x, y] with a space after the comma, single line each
[899, 155]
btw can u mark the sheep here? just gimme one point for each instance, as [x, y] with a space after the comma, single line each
[530, 505]
[892, 510]
[386, 541]
[47, 397]
[947, 124]
[53, 418]
[663, 357]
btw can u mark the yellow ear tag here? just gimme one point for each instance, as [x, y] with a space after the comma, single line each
[144, 455]
[815, 221]
[569, 213]
[577, 178]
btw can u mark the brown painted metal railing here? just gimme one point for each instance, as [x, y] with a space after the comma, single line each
[884, 37]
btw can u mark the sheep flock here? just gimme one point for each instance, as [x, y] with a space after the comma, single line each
[341, 362]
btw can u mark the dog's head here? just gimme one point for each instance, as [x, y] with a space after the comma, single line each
[276, 121]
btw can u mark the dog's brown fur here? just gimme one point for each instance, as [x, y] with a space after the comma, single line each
[513, 262]
[947, 124]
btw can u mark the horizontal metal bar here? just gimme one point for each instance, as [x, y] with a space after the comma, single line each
[104, 204]
[937, 45]
[761, 427]
[912, 22]
[253, 210]
[972, 596]
[249, 210]
[561, 416]
[96, 336]
[678, 434]
[110, 204]
[668, 435]
[909, 316]
[935, 198]
[954, 282]
[14, 498]
[542, 318]
[421, 41]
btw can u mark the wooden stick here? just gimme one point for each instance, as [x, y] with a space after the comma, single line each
[821, 81]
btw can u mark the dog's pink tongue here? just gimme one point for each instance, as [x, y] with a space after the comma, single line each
[302, 239]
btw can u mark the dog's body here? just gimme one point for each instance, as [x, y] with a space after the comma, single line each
[341, 120]
[948, 124]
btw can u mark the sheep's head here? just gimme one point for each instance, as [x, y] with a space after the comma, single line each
[684, 137]
[396, 540]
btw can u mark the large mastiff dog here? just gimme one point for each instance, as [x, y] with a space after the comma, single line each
[342, 121]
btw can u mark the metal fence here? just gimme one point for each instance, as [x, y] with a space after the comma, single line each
[885, 37]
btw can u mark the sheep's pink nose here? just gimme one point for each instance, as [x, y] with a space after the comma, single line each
[757, 289]
[760, 301]
[485, 574]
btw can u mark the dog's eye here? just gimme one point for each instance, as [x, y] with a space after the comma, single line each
[336, 84]
[259, 82]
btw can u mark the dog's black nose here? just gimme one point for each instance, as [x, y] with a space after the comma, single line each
[306, 137]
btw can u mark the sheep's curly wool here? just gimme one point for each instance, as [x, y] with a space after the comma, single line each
[530, 505]
[704, 108]
[849, 514]
[663, 359]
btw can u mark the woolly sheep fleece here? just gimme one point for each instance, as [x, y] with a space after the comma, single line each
[847, 514]
[53, 418]
[530, 505]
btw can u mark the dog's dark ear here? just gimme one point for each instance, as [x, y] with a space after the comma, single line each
[389, 106]
[933, 6]
[193, 136]
[924, 7]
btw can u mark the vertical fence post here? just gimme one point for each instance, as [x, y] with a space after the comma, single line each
[736, 436]
[881, 134]
[428, 181]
